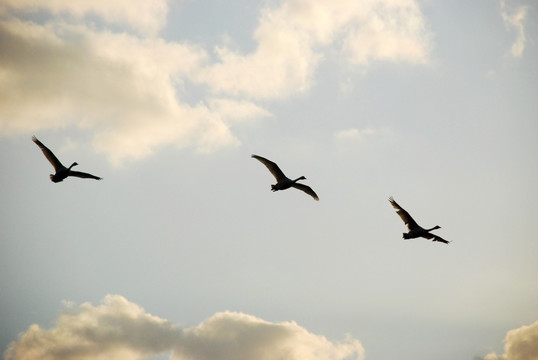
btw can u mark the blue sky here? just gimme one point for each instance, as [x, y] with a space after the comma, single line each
[184, 245]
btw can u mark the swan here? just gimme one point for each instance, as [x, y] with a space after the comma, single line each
[415, 230]
[61, 171]
[282, 181]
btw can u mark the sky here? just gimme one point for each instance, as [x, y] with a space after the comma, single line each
[182, 251]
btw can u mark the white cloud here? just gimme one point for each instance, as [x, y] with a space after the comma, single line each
[349, 133]
[121, 87]
[131, 91]
[119, 329]
[291, 39]
[519, 344]
[233, 110]
[355, 133]
[514, 20]
[390, 31]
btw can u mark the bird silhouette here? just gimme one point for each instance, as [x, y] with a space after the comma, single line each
[415, 230]
[282, 181]
[61, 171]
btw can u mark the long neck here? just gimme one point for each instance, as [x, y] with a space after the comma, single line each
[73, 164]
[299, 178]
[434, 228]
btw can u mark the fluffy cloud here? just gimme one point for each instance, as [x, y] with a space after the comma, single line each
[519, 344]
[291, 38]
[121, 87]
[390, 31]
[138, 92]
[514, 20]
[119, 329]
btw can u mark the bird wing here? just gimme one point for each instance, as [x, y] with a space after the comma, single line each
[407, 219]
[48, 154]
[83, 175]
[306, 189]
[273, 168]
[438, 238]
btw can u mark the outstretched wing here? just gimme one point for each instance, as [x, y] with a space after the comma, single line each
[438, 238]
[83, 175]
[407, 219]
[273, 168]
[48, 154]
[306, 189]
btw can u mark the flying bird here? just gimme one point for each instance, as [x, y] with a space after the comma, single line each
[61, 171]
[415, 230]
[282, 181]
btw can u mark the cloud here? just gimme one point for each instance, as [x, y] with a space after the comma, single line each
[389, 31]
[121, 87]
[355, 133]
[83, 68]
[345, 134]
[146, 17]
[519, 344]
[514, 20]
[291, 38]
[119, 329]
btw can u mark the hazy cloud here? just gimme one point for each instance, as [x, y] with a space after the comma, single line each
[355, 133]
[519, 344]
[513, 19]
[147, 17]
[349, 133]
[119, 329]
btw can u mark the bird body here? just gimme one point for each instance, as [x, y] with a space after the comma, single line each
[282, 181]
[415, 230]
[286, 183]
[61, 172]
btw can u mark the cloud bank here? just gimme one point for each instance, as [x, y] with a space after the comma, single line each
[519, 344]
[102, 67]
[119, 329]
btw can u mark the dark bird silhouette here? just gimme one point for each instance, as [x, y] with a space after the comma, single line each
[415, 230]
[282, 181]
[61, 171]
